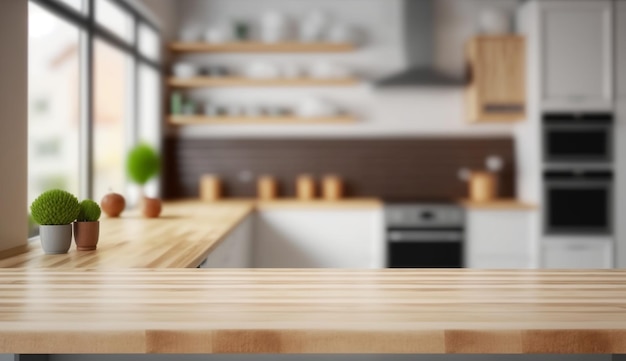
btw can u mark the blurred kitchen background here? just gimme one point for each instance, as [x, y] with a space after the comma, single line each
[493, 131]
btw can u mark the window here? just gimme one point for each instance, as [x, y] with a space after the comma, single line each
[53, 104]
[149, 43]
[113, 130]
[115, 20]
[94, 91]
[77, 5]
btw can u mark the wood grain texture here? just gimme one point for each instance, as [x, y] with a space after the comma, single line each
[182, 237]
[199, 82]
[225, 120]
[259, 47]
[399, 168]
[294, 203]
[503, 204]
[312, 311]
[497, 90]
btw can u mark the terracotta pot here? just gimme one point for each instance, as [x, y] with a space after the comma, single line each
[151, 207]
[86, 235]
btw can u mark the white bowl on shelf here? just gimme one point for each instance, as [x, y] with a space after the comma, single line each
[185, 70]
[325, 70]
[261, 70]
[315, 108]
[216, 35]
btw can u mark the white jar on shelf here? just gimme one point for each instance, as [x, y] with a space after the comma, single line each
[313, 27]
[274, 27]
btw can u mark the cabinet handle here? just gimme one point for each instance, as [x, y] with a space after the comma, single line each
[503, 108]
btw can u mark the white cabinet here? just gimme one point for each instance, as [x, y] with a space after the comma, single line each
[620, 182]
[576, 54]
[620, 43]
[578, 252]
[234, 251]
[500, 238]
[310, 238]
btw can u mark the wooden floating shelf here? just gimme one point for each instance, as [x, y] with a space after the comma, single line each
[198, 82]
[259, 47]
[225, 120]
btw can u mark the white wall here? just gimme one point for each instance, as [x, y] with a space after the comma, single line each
[164, 13]
[13, 123]
[414, 111]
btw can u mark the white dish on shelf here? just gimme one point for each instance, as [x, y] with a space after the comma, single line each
[326, 70]
[185, 70]
[216, 35]
[261, 70]
[315, 108]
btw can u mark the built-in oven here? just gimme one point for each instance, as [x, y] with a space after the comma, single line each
[424, 236]
[578, 202]
[578, 137]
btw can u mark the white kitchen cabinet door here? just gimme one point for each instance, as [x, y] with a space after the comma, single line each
[312, 238]
[620, 183]
[578, 253]
[500, 239]
[576, 54]
[620, 43]
[235, 250]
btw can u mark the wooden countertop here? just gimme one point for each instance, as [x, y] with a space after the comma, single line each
[498, 204]
[312, 311]
[293, 203]
[182, 237]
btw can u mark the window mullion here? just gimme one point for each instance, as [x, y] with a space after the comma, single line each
[87, 106]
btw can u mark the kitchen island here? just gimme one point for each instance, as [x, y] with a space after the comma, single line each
[312, 311]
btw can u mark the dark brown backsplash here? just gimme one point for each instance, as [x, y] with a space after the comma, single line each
[420, 168]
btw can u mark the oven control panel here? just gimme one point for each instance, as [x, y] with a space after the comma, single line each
[418, 215]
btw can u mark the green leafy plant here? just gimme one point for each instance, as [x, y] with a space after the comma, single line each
[142, 164]
[55, 207]
[89, 211]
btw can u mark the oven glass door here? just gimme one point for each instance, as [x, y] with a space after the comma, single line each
[574, 208]
[424, 249]
[588, 143]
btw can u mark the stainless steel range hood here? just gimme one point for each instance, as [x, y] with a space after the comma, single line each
[419, 48]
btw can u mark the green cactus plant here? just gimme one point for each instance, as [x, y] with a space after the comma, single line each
[89, 211]
[55, 207]
[142, 164]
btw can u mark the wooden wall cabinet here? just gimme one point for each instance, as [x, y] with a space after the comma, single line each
[497, 88]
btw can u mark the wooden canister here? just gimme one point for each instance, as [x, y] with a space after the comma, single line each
[267, 187]
[305, 187]
[483, 186]
[210, 188]
[332, 187]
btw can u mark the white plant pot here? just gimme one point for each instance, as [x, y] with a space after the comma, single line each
[56, 239]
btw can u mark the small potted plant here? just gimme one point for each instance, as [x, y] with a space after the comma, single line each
[87, 226]
[54, 211]
[143, 164]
